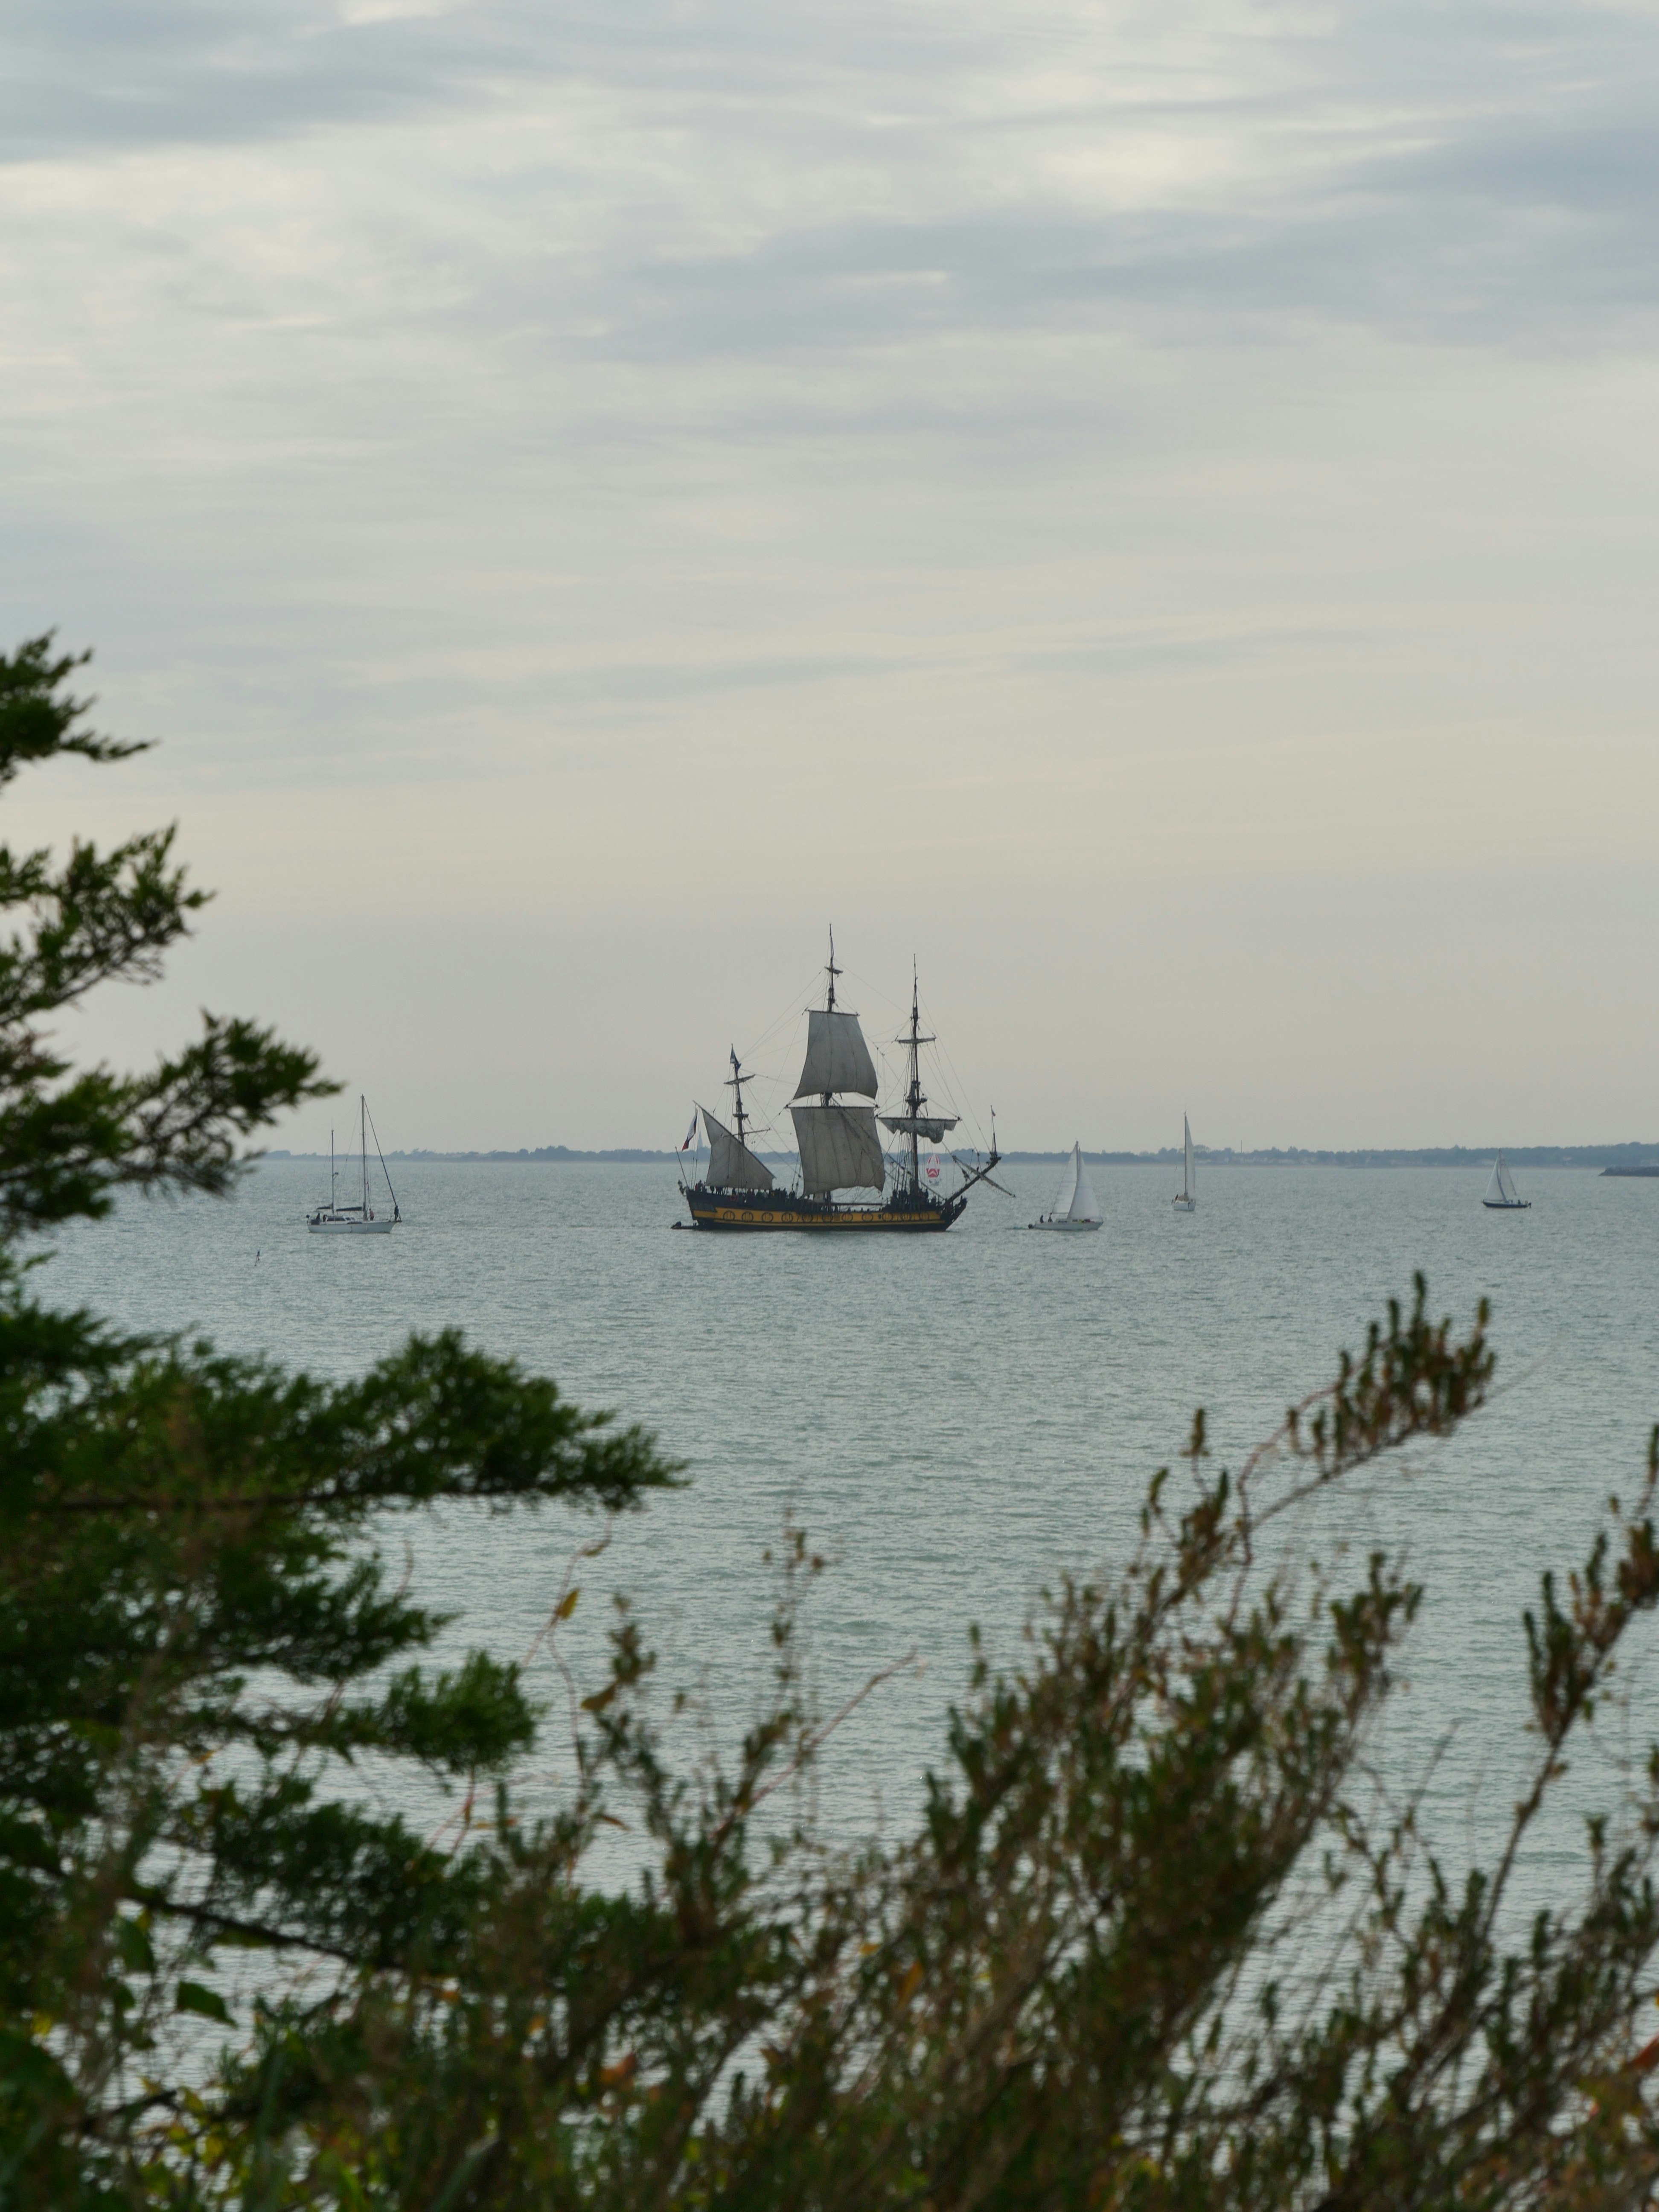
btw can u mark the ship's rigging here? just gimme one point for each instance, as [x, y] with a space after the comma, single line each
[837, 1137]
[913, 1122]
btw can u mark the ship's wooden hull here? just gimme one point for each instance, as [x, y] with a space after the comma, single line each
[754, 1211]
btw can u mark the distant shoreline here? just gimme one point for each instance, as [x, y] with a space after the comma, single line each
[1595, 1158]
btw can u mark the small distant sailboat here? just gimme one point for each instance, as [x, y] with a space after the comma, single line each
[361, 1220]
[1186, 1198]
[1075, 1206]
[1501, 1196]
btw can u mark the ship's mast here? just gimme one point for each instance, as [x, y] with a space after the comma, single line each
[914, 1099]
[734, 1082]
[363, 1145]
[830, 997]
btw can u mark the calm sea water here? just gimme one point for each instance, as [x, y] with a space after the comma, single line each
[958, 1420]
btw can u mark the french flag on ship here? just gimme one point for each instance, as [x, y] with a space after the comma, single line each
[689, 1133]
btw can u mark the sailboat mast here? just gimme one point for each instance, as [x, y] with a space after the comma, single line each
[363, 1145]
[333, 1178]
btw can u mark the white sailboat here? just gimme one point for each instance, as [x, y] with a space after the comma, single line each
[1075, 1206]
[1186, 1198]
[361, 1220]
[1502, 1196]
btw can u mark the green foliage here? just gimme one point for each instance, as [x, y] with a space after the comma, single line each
[68, 1140]
[1149, 1945]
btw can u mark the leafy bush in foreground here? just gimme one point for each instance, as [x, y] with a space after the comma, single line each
[1082, 1982]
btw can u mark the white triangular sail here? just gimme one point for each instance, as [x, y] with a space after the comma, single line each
[1084, 1207]
[1062, 1208]
[1189, 1189]
[837, 1058]
[840, 1149]
[732, 1166]
[1501, 1190]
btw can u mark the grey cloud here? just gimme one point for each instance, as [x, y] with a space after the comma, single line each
[1412, 256]
[1476, 174]
[87, 76]
[1609, 168]
[84, 77]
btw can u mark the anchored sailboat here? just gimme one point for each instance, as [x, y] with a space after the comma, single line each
[836, 1133]
[361, 1220]
[1075, 1205]
[1186, 1198]
[1502, 1196]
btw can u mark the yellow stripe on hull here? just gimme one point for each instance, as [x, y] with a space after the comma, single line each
[856, 1219]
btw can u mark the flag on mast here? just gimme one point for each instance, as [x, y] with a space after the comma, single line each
[691, 1132]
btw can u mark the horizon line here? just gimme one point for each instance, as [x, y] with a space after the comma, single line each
[1632, 1153]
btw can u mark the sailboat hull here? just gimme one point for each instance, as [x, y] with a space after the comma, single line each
[1073, 1227]
[350, 1228]
[756, 1211]
[1507, 1204]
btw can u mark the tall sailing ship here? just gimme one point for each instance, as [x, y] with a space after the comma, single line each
[840, 1147]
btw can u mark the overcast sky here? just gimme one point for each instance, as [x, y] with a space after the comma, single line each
[1152, 509]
